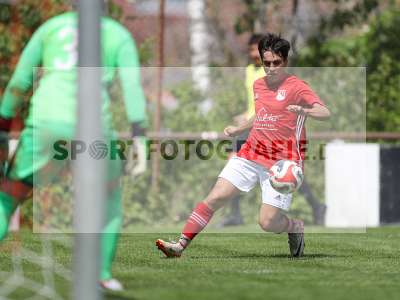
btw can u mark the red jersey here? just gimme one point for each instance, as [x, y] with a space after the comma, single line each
[278, 133]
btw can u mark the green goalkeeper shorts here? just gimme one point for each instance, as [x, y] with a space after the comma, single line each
[38, 158]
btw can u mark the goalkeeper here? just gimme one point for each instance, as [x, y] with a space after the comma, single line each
[52, 114]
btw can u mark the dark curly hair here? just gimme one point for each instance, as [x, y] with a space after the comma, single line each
[274, 43]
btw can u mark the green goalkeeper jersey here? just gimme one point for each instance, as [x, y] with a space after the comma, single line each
[50, 61]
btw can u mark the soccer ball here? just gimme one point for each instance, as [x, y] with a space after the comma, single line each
[286, 176]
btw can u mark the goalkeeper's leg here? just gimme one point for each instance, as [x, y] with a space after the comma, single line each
[7, 207]
[17, 183]
[109, 237]
[12, 192]
[110, 234]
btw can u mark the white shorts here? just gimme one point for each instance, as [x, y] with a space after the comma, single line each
[244, 174]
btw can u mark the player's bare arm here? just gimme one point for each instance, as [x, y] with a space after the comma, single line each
[233, 131]
[240, 119]
[317, 111]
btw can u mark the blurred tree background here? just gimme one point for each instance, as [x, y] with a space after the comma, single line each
[17, 24]
[359, 36]
[360, 33]
[374, 45]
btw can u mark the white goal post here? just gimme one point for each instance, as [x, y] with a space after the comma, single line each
[88, 173]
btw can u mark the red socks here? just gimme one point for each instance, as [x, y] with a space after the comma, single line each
[199, 219]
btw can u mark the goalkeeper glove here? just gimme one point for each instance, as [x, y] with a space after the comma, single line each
[137, 155]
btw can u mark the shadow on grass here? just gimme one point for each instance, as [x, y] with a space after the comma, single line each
[258, 256]
[305, 256]
[118, 297]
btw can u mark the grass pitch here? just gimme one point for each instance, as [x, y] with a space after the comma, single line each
[237, 266]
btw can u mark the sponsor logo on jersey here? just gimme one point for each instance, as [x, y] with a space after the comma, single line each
[281, 95]
[265, 120]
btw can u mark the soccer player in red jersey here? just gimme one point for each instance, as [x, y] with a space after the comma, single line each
[282, 104]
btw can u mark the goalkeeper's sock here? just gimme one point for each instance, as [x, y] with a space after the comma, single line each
[7, 208]
[108, 248]
[110, 235]
[199, 219]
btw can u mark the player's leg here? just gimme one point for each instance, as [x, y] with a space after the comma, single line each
[110, 233]
[238, 175]
[272, 216]
[112, 226]
[16, 185]
[7, 207]
[18, 181]
[272, 219]
[12, 193]
[109, 239]
[221, 193]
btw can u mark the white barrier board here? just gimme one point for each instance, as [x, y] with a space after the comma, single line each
[352, 185]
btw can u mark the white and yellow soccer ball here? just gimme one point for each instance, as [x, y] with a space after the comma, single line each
[286, 176]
